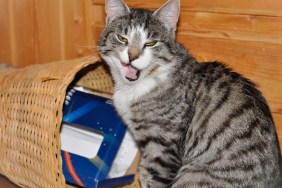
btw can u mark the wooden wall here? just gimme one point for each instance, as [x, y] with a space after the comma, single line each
[247, 35]
[39, 31]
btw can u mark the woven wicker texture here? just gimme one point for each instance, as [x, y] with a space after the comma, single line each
[97, 78]
[31, 101]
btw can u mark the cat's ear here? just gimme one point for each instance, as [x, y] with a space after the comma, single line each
[115, 8]
[169, 14]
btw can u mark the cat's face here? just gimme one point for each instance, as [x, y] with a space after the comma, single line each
[136, 42]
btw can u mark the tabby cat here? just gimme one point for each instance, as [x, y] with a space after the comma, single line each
[196, 124]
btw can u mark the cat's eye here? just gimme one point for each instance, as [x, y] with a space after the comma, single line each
[122, 39]
[152, 43]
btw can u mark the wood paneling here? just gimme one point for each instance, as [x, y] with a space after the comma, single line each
[230, 26]
[77, 37]
[278, 123]
[33, 28]
[46, 29]
[250, 7]
[99, 22]
[35, 31]
[40, 31]
[5, 48]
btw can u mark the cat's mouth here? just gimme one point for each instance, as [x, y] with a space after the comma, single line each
[132, 73]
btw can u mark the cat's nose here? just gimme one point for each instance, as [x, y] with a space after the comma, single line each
[133, 53]
[131, 58]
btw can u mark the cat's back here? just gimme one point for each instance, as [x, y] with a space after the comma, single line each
[224, 90]
[231, 135]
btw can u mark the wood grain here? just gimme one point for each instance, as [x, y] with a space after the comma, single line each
[230, 26]
[278, 124]
[47, 29]
[5, 48]
[33, 23]
[77, 40]
[250, 7]
[253, 7]
[34, 27]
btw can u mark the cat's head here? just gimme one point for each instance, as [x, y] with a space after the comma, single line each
[138, 43]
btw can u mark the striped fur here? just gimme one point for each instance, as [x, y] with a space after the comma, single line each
[196, 124]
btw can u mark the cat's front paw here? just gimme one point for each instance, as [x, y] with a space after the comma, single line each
[147, 181]
[145, 178]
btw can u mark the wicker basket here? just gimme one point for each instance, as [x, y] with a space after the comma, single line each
[31, 102]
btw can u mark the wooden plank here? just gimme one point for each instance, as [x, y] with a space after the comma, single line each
[98, 18]
[47, 30]
[35, 31]
[136, 3]
[230, 26]
[23, 32]
[77, 40]
[5, 51]
[278, 124]
[254, 7]
[90, 21]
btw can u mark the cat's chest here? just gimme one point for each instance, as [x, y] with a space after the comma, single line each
[124, 97]
[122, 104]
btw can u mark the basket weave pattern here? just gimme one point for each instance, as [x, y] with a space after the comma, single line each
[31, 102]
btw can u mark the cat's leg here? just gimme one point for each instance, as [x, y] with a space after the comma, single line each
[152, 175]
[190, 180]
[144, 177]
[195, 176]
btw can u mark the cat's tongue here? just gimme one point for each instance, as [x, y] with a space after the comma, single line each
[131, 73]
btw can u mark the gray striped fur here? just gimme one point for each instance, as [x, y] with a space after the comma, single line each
[196, 124]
